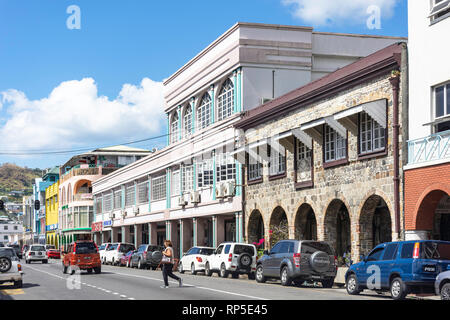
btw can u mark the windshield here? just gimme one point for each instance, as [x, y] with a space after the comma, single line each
[37, 248]
[50, 247]
[238, 249]
[85, 248]
[102, 247]
[436, 250]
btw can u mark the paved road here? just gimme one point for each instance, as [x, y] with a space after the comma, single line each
[47, 282]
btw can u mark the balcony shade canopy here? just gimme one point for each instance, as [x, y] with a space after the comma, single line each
[375, 109]
[314, 128]
[297, 133]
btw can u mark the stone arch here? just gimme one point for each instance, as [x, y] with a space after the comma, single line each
[427, 204]
[337, 226]
[255, 227]
[305, 223]
[375, 223]
[278, 226]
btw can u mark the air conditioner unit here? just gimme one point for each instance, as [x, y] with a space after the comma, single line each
[220, 191]
[195, 197]
[182, 201]
[136, 210]
[230, 187]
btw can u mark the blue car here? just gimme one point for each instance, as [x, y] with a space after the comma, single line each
[400, 267]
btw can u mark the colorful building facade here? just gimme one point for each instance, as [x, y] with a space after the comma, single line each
[51, 214]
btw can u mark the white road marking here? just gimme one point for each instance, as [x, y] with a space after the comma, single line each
[190, 285]
[62, 278]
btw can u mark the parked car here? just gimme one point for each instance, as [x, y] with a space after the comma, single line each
[195, 259]
[115, 251]
[36, 252]
[53, 254]
[16, 248]
[234, 258]
[442, 284]
[10, 267]
[125, 260]
[400, 267]
[83, 255]
[102, 250]
[147, 256]
[297, 261]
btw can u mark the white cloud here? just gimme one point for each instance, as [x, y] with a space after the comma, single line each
[332, 12]
[74, 115]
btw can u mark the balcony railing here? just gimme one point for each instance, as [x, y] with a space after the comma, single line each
[431, 148]
[88, 170]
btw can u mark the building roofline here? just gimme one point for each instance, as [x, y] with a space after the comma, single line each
[373, 65]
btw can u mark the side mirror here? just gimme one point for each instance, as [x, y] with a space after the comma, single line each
[362, 258]
[266, 252]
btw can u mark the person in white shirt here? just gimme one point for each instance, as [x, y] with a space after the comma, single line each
[167, 265]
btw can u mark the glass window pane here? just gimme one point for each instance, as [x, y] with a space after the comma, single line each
[439, 91]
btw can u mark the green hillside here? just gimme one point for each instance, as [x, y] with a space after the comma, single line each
[15, 178]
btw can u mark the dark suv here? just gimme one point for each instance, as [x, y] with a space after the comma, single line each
[400, 267]
[147, 256]
[298, 261]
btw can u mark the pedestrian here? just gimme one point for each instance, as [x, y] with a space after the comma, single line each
[348, 257]
[167, 265]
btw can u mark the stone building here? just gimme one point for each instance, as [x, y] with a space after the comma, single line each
[326, 159]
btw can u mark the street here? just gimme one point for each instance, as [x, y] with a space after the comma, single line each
[47, 282]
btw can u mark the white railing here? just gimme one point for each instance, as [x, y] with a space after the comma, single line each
[431, 148]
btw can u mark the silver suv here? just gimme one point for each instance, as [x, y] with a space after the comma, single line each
[298, 261]
[36, 252]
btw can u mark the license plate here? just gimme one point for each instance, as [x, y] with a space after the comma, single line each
[429, 268]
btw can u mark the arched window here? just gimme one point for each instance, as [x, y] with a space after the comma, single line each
[174, 128]
[225, 100]
[204, 112]
[187, 122]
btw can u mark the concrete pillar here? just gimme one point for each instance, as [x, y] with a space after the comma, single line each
[114, 234]
[152, 234]
[137, 235]
[239, 227]
[102, 237]
[126, 234]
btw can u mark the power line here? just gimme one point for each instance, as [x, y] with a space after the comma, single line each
[61, 152]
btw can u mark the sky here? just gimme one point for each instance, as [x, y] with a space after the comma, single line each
[100, 84]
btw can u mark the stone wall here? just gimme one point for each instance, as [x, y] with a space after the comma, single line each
[359, 185]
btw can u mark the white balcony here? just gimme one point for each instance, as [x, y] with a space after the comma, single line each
[432, 149]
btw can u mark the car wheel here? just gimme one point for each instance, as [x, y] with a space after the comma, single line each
[285, 279]
[98, 270]
[251, 276]
[223, 271]
[112, 261]
[398, 289]
[352, 285]
[139, 264]
[18, 284]
[180, 268]
[298, 282]
[128, 263]
[44, 261]
[328, 283]
[208, 271]
[5, 264]
[193, 269]
[260, 274]
[445, 292]
[89, 270]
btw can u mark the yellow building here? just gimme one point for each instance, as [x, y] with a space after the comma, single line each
[51, 216]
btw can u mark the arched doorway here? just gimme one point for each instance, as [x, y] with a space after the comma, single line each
[337, 227]
[305, 223]
[279, 227]
[375, 224]
[256, 228]
[433, 215]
